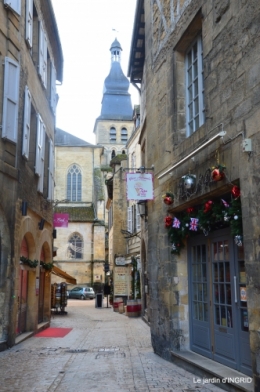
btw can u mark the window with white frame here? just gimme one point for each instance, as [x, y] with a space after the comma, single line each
[10, 99]
[112, 134]
[195, 112]
[75, 246]
[124, 135]
[74, 183]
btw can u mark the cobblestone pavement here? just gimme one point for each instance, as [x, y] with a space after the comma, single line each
[104, 351]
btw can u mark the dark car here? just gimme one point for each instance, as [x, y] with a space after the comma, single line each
[82, 293]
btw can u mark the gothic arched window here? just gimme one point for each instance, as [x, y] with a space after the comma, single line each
[74, 182]
[75, 246]
[113, 154]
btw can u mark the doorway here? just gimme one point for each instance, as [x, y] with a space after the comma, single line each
[217, 282]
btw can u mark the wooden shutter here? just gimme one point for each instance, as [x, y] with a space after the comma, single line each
[29, 22]
[15, 5]
[42, 55]
[41, 176]
[11, 100]
[138, 219]
[129, 220]
[26, 122]
[51, 171]
[53, 88]
[39, 145]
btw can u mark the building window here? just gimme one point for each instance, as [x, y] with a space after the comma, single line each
[113, 134]
[75, 247]
[195, 112]
[113, 154]
[74, 181]
[123, 135]
[133, 219]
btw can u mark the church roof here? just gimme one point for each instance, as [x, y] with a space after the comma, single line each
[116, 102]
[62, 138]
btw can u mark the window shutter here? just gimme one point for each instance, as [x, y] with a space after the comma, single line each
[138, 219]
[39, 145]
[129, 220]
[42, 55]
[26, 122]
[51, 171]
[29, 22]
[53, 88]
[15, 5]
[11, 99]
[41, 176]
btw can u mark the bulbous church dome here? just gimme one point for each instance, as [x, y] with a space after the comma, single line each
[116, 102]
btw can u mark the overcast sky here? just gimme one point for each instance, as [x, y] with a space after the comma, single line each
[86, 34]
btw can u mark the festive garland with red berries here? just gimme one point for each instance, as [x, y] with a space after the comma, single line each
[212, 215]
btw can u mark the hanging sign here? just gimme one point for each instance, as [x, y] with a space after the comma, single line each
[60, 220]
[120, 261]
[139, 186]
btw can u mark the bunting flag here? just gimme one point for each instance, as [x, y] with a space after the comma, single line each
[194, 224]
[176, 223]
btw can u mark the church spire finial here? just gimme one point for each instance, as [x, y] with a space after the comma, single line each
[115, 50]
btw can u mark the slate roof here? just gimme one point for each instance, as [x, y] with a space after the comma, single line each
[62, 138]
[77, 214]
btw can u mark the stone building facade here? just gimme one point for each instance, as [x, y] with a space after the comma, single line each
[31, 62]
[197, 64]
[79, 192]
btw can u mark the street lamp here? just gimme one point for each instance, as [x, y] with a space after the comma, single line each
[142, 208]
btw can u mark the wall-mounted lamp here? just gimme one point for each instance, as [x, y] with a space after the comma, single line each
[141, 169]
[24, 208]
[54, 233]
[142, 208]
[41, 224]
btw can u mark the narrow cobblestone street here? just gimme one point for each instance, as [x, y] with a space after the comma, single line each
[103, 351]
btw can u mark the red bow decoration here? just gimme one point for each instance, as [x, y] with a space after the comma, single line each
[168, 221]
[208, 206]
[235, 191]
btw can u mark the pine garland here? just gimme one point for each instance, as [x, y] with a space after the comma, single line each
[212, 215]
[30, 263]
[47, 266]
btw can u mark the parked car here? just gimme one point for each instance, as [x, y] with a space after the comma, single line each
[82, 293]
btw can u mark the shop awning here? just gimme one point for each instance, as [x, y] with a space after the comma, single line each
[62, 274]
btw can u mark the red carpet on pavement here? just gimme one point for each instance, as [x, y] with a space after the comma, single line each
[53, 333]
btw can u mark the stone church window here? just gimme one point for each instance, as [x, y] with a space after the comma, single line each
[124, 135]
[113, 134]
[113, 154]
[74, 182]
[75, 247]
